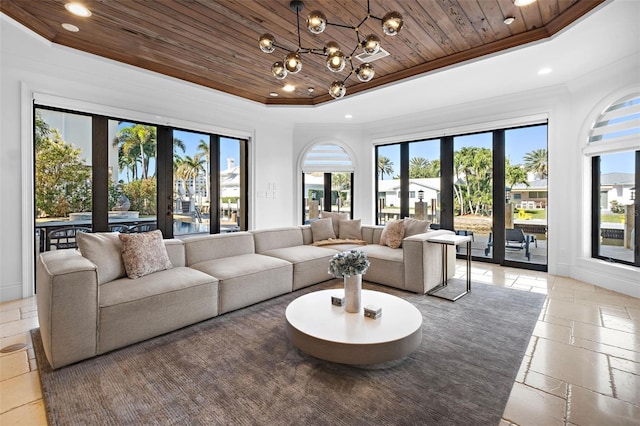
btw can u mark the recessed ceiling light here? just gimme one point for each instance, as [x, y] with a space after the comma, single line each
[289, 88]
[521, 3]
[273, 94]
[78, 9]
[70, 27]
[509, 20]
[545, 70]
[348, 116]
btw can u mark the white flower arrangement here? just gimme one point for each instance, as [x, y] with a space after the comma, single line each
[348, 263]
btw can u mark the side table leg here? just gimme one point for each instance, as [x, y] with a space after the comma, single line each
[468, 266]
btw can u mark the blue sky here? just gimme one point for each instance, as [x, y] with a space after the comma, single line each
[229, 148]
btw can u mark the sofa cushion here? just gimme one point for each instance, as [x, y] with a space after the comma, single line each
[322, 229]
[414, 226]
[104, 249]
[144, 253]
[392, 234]
[310, 264]
[350, 230]
[386, 265]
[336, 218]
[131, 311]
[247, 279]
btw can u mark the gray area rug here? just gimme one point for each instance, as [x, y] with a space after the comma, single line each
[240, 369]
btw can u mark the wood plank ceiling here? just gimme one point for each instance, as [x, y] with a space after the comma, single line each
[214, 43]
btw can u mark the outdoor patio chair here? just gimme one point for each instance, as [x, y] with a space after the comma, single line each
[515, 239]
[143, 227]
[123, 229]
[65, 238]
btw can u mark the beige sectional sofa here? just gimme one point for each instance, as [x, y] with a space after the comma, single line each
[88, 306]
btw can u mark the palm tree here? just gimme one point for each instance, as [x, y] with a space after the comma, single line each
[514, 175]
[190, 168]
[536, 162]
[422, 168]
[385, 166]
[204, 151]
[138, 141]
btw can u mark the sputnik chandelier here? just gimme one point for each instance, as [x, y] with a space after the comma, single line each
[336, 59]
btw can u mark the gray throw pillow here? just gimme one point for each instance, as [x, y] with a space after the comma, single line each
[350, 230]
[322, 229]
[336, 217]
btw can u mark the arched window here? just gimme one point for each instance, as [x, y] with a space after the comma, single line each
[327, 181]
[614, 148]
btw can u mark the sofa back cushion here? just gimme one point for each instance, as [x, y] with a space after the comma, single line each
[210, 247]
[371, 233]
[276, 238]
[414, 226]
[175, 250]
[104, 249]
[307, 235]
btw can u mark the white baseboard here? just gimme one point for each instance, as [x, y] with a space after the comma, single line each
[616, 277]
[11, 292]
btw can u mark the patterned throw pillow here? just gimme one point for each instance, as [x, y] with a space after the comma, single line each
[144, 253]
[322, 229]
[392, 234]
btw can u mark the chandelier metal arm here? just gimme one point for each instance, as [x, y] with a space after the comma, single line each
[351, 27]
[391, 24]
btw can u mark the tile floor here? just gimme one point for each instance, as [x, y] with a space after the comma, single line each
[582, 366]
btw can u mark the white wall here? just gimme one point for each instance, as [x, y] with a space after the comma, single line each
[279, 136]
[32, 67]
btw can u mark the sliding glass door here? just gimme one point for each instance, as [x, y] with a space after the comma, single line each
[99, 174]
[491, 186]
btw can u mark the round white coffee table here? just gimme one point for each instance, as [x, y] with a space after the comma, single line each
[326, 331]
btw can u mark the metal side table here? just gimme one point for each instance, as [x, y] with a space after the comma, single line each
[445, 241]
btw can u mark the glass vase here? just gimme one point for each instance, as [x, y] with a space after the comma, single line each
[352, 292]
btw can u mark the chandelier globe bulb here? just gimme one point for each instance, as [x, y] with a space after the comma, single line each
[337, 89]
[392, 23]
[336, 62]
[293, 62]
[331, 47]
[278, 70]
[316, 22]
[267, 43]
[365, 72]
[371, 44]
